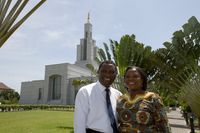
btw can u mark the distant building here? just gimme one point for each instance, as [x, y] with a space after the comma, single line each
[4, 87]
[57, 88]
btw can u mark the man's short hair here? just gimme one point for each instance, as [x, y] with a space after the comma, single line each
[108, 62]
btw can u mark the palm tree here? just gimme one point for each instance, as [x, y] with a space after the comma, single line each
[77, 83]
[179, 63]
[8, 17]
[126, 53]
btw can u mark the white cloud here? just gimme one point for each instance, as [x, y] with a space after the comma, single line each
[53, 35]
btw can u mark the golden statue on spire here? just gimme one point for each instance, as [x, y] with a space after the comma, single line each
[88, 17]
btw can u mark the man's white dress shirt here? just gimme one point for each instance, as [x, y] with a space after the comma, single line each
[91, 110]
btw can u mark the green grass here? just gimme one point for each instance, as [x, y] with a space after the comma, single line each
[36, 122]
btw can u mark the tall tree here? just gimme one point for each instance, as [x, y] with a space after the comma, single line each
[11, 96]
[179, 65]
[128, 52]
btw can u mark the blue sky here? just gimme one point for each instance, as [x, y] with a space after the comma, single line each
[51, 34]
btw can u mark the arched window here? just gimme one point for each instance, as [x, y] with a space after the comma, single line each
[54, 87]
[40, 93]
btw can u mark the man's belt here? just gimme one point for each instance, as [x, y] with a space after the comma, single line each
[88, 130]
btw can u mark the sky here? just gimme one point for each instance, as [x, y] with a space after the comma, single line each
[51, 33]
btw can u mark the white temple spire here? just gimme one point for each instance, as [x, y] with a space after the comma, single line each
[88, 17]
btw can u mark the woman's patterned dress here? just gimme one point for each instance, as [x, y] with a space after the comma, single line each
[143, 114]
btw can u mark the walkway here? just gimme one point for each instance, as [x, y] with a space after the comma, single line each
[177, 122]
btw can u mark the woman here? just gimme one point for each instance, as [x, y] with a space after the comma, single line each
[140, 111]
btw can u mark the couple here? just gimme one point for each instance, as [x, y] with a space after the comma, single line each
[99, 108]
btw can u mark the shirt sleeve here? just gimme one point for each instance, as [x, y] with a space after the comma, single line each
[81, 112]
[160, 116]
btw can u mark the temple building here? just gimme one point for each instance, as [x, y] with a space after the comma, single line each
[57, 87]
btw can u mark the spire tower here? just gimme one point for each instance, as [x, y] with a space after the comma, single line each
[87, 50]
[88, 17]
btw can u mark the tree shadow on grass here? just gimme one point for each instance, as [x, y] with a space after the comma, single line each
[66, 128]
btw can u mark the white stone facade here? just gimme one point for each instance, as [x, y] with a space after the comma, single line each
[57, 88]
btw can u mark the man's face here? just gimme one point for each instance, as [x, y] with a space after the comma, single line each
[107, 74]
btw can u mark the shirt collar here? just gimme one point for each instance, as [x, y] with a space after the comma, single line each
[101, 87]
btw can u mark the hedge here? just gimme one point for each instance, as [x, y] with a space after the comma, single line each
[10, 108]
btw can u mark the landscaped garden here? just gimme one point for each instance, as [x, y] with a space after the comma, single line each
[36, 121]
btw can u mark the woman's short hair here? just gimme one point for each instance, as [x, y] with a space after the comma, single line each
[142, 73]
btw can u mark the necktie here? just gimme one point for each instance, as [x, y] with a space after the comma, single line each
[110, 112]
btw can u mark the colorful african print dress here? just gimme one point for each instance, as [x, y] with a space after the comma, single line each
[143, 114]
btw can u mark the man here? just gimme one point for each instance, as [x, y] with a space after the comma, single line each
[91, 107]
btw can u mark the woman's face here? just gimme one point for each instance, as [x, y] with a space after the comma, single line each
[133, 80]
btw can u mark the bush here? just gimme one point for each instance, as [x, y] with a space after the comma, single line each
[7, 108]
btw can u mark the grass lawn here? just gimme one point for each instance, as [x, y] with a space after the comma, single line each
[36, 122]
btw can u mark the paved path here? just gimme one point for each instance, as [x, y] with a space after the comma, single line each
[177, 122]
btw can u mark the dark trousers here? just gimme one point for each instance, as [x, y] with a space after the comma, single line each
[92, 131]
